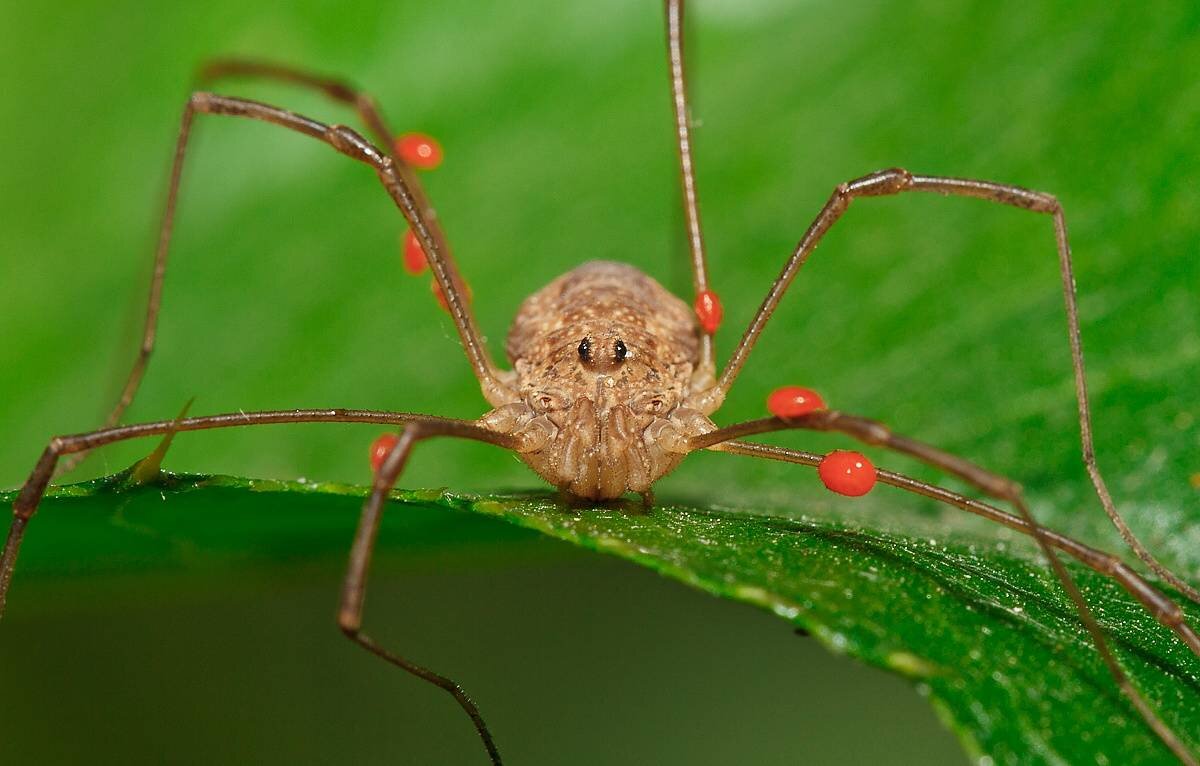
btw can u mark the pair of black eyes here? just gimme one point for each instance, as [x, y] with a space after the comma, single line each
[619, 350]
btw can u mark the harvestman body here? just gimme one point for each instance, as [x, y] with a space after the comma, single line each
[607, 382]
[614, 378]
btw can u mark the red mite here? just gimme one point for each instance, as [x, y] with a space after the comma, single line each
[380, 449]
[418, 150]
[794, 401]
[414, 255]
[709, 311]
[847, 473]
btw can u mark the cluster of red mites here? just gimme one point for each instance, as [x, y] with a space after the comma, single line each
[424, 153]
[842, 471]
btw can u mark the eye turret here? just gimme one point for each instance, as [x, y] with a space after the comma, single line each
[594, 357]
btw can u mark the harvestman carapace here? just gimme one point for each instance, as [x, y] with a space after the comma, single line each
[613, 379]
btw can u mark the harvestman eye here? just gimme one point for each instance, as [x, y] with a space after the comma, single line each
[681, 364]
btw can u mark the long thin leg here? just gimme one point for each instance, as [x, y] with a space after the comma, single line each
[896, 181]
[335, 88]
[400, 183]
[1163, 609]
[687, 173]
[343, 92]
[354, 587]
[872, 432]
[35, 486]
[349, 619]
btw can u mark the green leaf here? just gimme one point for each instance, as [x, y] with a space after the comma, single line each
[986, 634]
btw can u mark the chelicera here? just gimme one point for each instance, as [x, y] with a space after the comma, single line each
[613, 379]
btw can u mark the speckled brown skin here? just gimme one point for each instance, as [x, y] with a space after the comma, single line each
[605, 364]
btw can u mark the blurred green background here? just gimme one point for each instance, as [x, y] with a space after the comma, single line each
[942, 317]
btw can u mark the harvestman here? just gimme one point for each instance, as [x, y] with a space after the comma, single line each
[614, 378]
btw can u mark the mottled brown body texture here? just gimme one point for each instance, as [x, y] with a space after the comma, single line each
[604, 361]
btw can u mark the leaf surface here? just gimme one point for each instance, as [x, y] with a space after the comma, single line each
[985, 633]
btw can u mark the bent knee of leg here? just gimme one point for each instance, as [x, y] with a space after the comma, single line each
[880, 183]
[349, 623]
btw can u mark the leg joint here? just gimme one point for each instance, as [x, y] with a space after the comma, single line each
[863, 429]
[200, 101]
[1171, 617]
[1006, 488]
[875, 433]
[1049, 203]
[1038, 202]
[349, 623]
[879, 183]
[1110, 565]
[350, 143]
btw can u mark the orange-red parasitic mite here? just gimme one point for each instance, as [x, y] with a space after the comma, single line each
[709, 311]
[414, 255]
[794, 401]
[847, 473]
[419, 150]
[380, 448]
